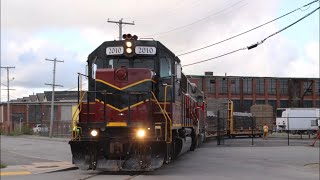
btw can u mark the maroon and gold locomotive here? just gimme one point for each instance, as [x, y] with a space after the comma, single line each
[140, 110]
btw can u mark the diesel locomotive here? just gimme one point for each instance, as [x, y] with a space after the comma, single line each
[139, 111]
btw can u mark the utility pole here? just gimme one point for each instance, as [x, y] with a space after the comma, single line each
[8, 102]
[52, 98]
[0, 80]
[119, 23]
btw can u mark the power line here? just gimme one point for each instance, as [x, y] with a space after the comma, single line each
[289, 25]
[256, 44]
[189, 52]
[195, 22]
[76, 86]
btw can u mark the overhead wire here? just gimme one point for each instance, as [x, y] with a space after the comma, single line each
[256, 44]
[232, 37]
[195, 22]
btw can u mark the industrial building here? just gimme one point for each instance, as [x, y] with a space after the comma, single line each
[280, 92]
[36, 109]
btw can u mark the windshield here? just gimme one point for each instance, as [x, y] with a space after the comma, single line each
[132, 63]
[165, 67]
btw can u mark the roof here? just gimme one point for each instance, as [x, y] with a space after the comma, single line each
[41, 97]
[33, 98]
[62, 95]
[26, 99]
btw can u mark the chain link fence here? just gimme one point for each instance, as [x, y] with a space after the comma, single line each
[35, 119]
[246, 130]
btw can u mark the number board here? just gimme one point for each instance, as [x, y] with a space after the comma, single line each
[114, 50]
[145, 50]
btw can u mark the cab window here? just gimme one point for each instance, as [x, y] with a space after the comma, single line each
[118, 63]
[165, 67]
[144, 63]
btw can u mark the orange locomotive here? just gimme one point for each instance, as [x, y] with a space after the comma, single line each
[140, 110]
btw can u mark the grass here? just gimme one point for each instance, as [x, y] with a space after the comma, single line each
[25, 130]
[2, 166]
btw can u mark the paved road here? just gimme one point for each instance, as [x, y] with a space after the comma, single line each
[36, 147]
[208, 162]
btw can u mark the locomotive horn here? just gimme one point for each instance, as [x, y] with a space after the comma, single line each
[129, 36]
[124, 36]
[135, 37]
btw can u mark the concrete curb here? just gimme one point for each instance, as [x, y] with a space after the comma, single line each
[37, 168]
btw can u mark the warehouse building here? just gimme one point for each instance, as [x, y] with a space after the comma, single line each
[36, 109]
[246, 91]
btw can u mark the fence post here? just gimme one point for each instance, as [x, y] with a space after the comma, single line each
[288, 130]
[218, 128]
[251, 130]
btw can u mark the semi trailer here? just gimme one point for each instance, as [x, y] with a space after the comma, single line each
[298, 120]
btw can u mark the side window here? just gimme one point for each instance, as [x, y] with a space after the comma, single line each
[110, 64]
[165, 67]
[94, 70]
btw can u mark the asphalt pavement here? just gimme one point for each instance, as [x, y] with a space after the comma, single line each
[236, 159]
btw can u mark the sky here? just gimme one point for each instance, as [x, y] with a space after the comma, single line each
[69, 30]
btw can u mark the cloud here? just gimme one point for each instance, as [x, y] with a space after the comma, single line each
[69, 30]
[306, 65]
[32, 71]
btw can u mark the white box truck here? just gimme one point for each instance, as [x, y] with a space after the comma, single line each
[298, 120]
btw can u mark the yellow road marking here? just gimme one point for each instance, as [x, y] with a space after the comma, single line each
[14, 173]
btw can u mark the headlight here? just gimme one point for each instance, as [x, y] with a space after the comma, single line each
[128, 44]
[94, 133]
[129, 50]
[141, 133]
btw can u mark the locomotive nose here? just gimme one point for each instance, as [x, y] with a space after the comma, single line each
[121, 73]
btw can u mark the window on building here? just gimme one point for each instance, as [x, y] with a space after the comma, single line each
[210, 85]
[273, 103]
[247, 85]
[317, 104]
[223, 85]
[17, 117]
[307, 87]
[247, 105]
[199, 84]
[236, 106]
[34, 113]
[272, 86]
[260, 101]
[48, 112]
[284, 103]
[235, 85]
[307, 104]
[317, 81]
[283, 86]
[259, 86]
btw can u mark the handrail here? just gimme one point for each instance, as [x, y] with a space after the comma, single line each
[166, 116]
[165, 97]
[76, 114]
[79, 106]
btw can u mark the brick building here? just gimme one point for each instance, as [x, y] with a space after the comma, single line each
[247, 91]
[36, 109]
